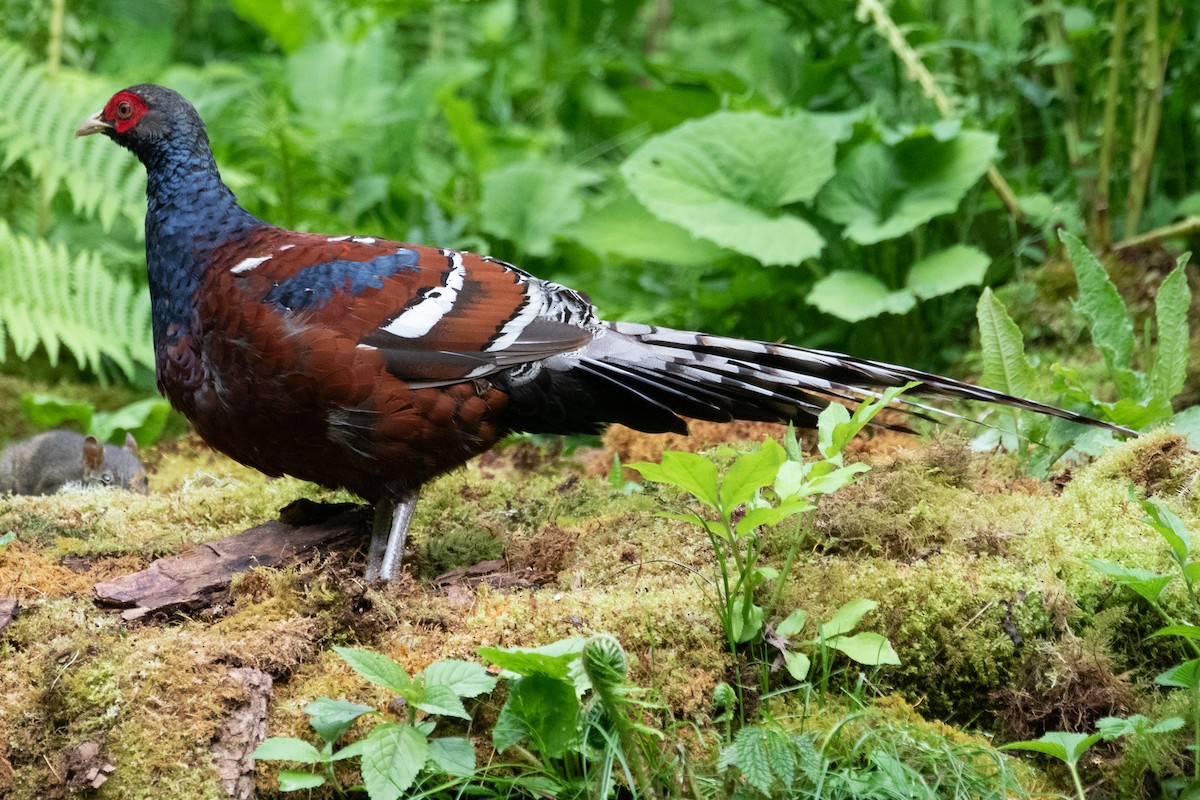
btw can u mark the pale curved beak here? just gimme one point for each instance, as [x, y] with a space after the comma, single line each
[94, 124]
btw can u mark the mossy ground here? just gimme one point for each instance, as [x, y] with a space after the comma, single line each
[980, 576]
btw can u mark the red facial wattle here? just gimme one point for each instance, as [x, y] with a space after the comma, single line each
[124, 110]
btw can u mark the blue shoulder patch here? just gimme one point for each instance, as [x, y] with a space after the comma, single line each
[312, 287]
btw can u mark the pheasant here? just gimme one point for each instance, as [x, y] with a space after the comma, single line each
[361, 363]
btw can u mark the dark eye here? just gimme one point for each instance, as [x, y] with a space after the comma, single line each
[106, 479]
[124, 109]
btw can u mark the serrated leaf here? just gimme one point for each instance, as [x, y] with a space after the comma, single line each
[728, 177]
[947, 271]
[464, 678]
[625, 228]
[1146, 583]
[1171, 326]
[1182, 676]
[331, 718]
[391, 758]
[855, 296]
[376, 668]
[1108, 319]
[846, 618]
[439, 699]
[527, 661]
[453, 755]
[288, 748]
[1066, 747]
[542, 709]
[871, 649]
[1005, 365]
[748, 754]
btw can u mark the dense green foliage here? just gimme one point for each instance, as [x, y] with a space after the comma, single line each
[774, 170]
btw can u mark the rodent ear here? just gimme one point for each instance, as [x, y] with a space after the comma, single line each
[130, 444]
[93, 453]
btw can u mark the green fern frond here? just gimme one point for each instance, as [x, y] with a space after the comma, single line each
[38, 118]
[59, 300]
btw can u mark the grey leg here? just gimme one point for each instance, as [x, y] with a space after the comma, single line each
[388, 535]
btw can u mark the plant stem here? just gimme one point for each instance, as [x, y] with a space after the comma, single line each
[1101, 222]
[1075, 778]
[1148, 115]
[873, 11]
[788, 560]
[1181, 228]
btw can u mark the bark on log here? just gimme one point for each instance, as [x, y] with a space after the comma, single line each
[243, 731]
[199, 578]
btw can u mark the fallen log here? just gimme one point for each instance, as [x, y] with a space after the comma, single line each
[199, 578]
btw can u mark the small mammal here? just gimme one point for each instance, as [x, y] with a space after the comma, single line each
[46, 463]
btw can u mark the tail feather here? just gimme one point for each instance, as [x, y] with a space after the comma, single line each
[649, 378]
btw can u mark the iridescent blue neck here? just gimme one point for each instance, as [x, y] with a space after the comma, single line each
[189, 212]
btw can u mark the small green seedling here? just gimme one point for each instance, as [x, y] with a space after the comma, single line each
[1066, 747]
[865, 647]
[772, 484]
[393, 754]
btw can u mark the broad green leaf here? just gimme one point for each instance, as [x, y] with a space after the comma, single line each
[332, 718]
[750, 473]
[288, 22]
[528, 661]
[1146, 583]
[727, 178]
[1135, 414]
[543, 710]
[1187, 423]
[1107, 317]
[352, 750]
[532, 202]
[1066, 747]
[772, 515]
[51, 411]
[145, 419]
[7, 537]
[714, 527]
[1171, 326]
[797, 664]
[625, 228]
[947, 271]
[1182, 676]
[1167, 725]
[376, 667]
[745, 623]
[453, 755]
[288, 748]
[691, 472]
[439, 699]
[830, 482]
[1186, 631]
[1169, 526]
[464, 678]
[291, 781]
[867, 648]
[1005, 366]
[846, 618]
[794, 623]
[855, 296]
[391, 758]
[882, 192]
[830, 429]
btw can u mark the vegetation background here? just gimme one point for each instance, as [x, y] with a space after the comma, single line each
[846, 175]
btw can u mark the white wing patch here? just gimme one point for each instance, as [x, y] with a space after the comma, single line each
[247, 264]
[531, 309]
[419, 319]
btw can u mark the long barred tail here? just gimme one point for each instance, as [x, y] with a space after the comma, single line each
[649, 377]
